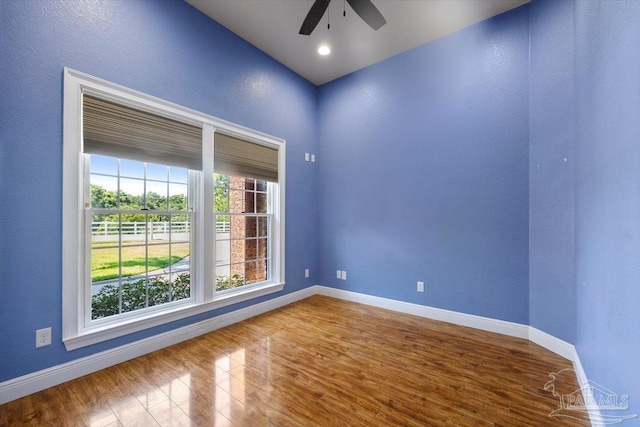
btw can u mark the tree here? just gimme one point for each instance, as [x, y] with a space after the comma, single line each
[178, 202]
[221, 185]
[102, 198]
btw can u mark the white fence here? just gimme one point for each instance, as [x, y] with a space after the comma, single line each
[110, 228]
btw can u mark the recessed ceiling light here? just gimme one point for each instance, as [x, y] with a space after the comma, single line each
[324, 50]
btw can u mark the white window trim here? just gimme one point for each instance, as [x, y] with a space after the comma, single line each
[75, 332]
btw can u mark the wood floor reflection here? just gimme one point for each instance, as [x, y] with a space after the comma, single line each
[318, 362]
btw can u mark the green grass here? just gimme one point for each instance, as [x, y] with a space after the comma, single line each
[105, 262]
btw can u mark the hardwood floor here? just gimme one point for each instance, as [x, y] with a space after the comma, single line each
[318, 362]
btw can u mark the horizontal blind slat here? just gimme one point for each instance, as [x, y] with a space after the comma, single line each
[119, 131]
[234, 156]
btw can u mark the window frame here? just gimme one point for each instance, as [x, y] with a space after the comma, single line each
[76, 331]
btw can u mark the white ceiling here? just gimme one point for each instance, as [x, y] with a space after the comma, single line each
[273, 25]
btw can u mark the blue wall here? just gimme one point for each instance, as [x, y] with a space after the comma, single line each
[424, 173]
[552, 169]
[585, 213]
[164, 48]
[608, 195]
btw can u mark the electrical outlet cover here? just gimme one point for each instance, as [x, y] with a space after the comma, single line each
[43, 337]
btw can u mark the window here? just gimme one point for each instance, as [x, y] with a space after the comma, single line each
[245, 181]
[140, 234]
[242, 215]
[167, 212]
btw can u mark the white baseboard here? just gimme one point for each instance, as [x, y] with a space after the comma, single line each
[551, 343]
[594, 413]
[485, 323]
[40, 380]
[568, 351]
[36, 381]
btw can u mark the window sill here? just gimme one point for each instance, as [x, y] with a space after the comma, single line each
[97, 334]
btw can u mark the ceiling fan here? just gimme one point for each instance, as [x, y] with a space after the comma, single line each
[364, 8]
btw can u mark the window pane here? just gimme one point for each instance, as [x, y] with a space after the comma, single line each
[157, 195]
[230, 279]
[249, 202]
[157, 172]
[223, 255]
[134, 294]
[181, 218]
[181, 253]
[237, 251]
[104, 228]
[251, 249]
[104, 165]
[133, 229]
[104, 263]
[250, 223]
[261, 202]
[237, 201]
[180, 287]
[159, 228]
[158, 290]
[159, 261]
[178, 175]
[105, 300]
[261, 185]
[104, 192]
[221, 192]
[180, 228]
[250, 272]
[133, 260]
[178, 197]
[261, 271]
[236, 182]
[131, 191]
[131, 168]
[262, 248]
[262, 226]
[223, 278]
[237, 225]
[223, 224]
[237, 275]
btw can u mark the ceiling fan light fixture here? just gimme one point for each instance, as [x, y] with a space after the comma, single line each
[363, 8]
[324, 50]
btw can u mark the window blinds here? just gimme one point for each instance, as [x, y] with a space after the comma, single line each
[233, 156]
[118, 131]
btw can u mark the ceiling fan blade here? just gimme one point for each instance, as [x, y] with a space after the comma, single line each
[368, 12]
[313, 17]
